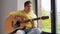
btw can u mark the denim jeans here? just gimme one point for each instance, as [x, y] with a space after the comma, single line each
[32, 31]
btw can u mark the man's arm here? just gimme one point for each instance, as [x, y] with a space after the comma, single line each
[13, 14]
[34, 23]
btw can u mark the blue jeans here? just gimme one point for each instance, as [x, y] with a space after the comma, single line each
[32, 31]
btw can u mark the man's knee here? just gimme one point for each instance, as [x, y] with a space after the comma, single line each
[20, 32]
[37, 30]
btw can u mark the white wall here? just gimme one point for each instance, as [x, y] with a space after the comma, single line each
[0, 16]
[20, 4]
[6, 6]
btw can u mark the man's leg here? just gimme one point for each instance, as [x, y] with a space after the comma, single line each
[35, 31]
[20, 32]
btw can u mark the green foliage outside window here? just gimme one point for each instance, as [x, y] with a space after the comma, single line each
[46, 24]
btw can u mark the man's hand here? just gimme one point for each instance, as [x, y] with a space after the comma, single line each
[32, 22]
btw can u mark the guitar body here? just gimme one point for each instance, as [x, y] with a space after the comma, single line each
[8, 24]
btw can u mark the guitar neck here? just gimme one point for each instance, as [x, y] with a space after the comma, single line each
[43, 18]
[31, 19]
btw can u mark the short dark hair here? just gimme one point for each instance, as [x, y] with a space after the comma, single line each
[27, 2]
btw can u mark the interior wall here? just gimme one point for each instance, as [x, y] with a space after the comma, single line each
[6, 7]
[0, 15]
[20, 4]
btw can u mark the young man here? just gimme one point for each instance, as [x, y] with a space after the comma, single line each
[27, 13]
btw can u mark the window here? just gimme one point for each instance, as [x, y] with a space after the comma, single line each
[44, 9]
[58, 16]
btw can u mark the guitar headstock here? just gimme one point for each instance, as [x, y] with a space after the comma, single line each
[44, 17]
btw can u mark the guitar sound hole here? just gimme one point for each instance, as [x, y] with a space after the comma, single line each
[16, 25]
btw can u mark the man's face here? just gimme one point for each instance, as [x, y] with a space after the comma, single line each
[28, 7]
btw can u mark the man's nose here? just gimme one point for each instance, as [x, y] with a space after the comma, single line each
[29, 8]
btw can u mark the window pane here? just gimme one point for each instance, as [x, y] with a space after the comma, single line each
[58, 16]
[46, 11]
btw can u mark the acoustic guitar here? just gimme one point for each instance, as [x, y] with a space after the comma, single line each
[14, 24]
